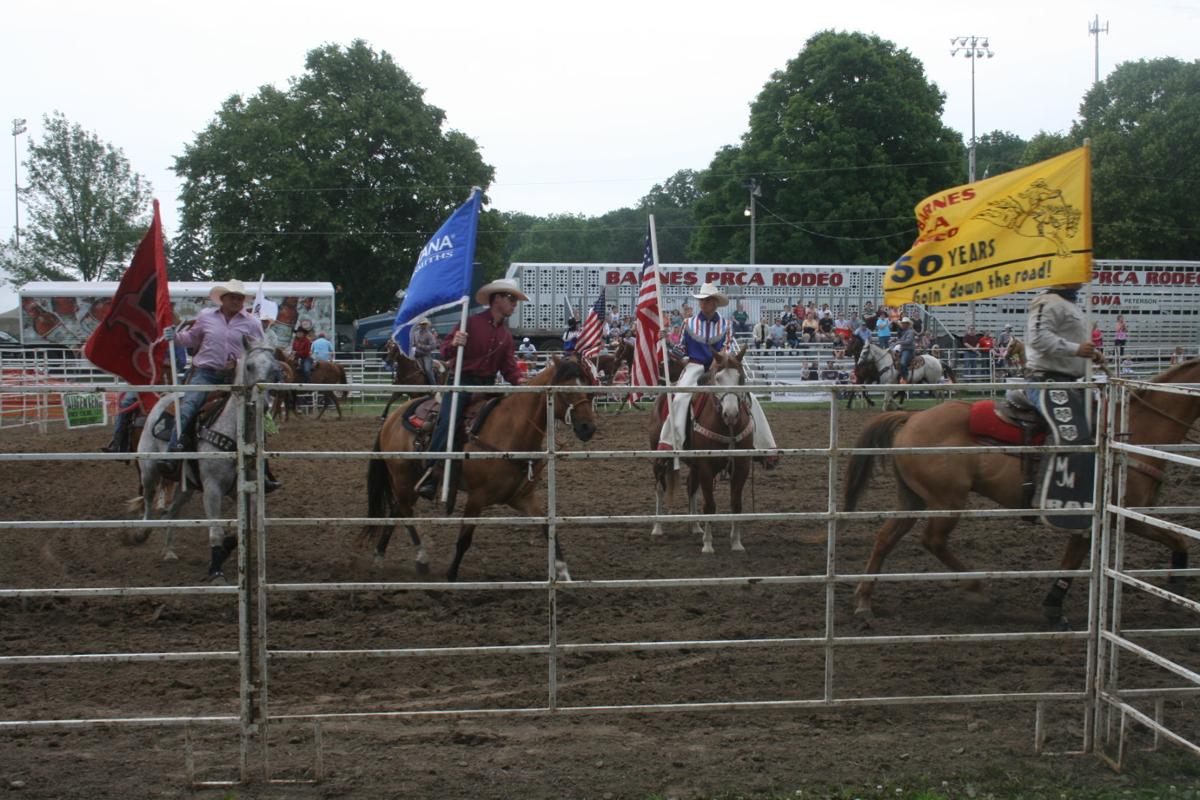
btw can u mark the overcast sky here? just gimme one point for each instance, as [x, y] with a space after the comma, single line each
[579, 107]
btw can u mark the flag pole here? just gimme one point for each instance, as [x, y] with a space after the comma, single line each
[458, 365]
[663, 320]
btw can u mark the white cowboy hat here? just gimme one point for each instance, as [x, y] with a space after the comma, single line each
[710, 290]
[229, 287]
[500, 286]
[904, 320]
[422, 321]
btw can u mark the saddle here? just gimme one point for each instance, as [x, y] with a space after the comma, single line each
[214, 404]
[419, 417]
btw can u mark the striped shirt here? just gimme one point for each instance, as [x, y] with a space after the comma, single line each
[701, 336]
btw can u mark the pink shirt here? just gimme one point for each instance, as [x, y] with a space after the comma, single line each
[218, 340]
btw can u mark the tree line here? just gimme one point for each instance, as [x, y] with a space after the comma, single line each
[343, 175]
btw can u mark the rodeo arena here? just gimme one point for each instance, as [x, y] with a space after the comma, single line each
[618, 611]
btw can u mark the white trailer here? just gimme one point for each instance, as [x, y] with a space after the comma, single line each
[1160, 300]
[64, 313]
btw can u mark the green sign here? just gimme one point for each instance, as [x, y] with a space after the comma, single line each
[84, 409]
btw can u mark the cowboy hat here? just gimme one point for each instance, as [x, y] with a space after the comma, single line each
[422, 321]
[500, 286]
[904, 320]
[229, 287]
[710, 290]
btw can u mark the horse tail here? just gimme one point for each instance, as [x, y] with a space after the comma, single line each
[381, 499]
[949, 371]
[879, 433]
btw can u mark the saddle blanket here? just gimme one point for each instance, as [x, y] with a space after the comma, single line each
[983, 424]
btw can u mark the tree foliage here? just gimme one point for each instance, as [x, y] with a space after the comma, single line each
[998, 152]
[1144, 124]
[342, 177]
[843, 141]
[86, 209]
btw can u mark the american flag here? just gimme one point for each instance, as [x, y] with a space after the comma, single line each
[647, 323]
[593, 328]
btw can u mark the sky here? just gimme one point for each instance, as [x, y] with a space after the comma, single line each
[580, 108]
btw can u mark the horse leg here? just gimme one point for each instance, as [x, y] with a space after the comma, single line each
[532, 505]
[220, 545]
[181, 497]
[337, 406]
[934, 538]
[472, 508]
[707, 479]
[694, 497]
[737, 481]
[660, 492]
[1052, 605]
[889, 535]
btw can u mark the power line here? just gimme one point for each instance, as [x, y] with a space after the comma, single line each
[830, 236]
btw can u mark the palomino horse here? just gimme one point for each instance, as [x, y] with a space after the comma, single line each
[944, 481]
[1012, 357]
[517, 423]
[218, 477]
[407, 372]
[718, 420]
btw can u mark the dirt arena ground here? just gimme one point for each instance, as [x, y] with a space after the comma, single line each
[776, 752]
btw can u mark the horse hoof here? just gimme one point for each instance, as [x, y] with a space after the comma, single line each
[738, 548]
[656, 531]
[422, 567]
[217, 578]
[170, 556]
[377, 561]
[864, 619]
[707, 549]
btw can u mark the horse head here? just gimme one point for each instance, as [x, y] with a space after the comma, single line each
[573, 408]
[726, 370]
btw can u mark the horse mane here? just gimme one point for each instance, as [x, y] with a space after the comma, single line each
[1169, 375]
[564, 370]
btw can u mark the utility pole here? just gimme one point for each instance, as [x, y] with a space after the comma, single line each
[752, 211]
[18, 127]
[1094, 29]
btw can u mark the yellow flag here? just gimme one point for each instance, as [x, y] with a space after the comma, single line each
[1021, 230]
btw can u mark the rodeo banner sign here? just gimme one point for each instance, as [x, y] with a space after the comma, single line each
[1021, 230]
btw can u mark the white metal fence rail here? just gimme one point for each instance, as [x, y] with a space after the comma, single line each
[256, 588]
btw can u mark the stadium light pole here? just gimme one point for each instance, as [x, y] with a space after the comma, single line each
[752, 211]
[18, 127]
[1094, 29]
[972, 47]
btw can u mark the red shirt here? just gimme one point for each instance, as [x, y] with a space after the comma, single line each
[301, 347]
[489, 349]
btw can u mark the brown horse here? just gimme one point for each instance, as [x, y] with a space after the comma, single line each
[719, 420]
[517, 423]
[610, 364]
[328, 372]
[944, 481]
[407, 372]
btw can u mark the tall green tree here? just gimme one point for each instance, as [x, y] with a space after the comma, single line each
[342, 177]
[998, 152]
[842, 141]
[1144, 124]
[86, 209]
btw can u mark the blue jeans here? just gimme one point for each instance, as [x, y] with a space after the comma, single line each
[906, 357]
[189, 406]
[441, 432]
[306, 365]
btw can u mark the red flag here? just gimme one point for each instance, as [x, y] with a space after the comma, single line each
[127, 342]
[647, 324]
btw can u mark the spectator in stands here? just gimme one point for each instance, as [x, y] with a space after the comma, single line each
[686, 311]
[825, 328]
[808, 328]
[883, 328]
[676, 318]
[1178, 357]
[970, 343]
[1097, 336]
[864, 331]
[810, 372]
[830, 372]
[762, 333]
[1127, 368]
[778, 334]
[1121, 336]
[741, 320]
[527, 348]
[793, 334]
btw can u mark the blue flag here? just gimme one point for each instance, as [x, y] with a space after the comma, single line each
[443, 274]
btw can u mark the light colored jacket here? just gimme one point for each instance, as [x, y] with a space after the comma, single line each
[1053, 332]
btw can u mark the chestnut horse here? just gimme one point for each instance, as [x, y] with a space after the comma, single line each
[611, 363]
[719, 420]
[944, 481]
[517, 423]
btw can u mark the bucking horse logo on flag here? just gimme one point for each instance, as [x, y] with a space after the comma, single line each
[1039, 211]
